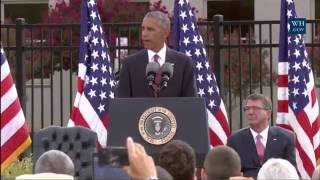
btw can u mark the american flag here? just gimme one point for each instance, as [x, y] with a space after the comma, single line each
[95, 75]
[188, 40]
[14, 130]
[298, 108]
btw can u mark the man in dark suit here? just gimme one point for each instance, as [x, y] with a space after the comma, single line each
[133, 81]
[259, 142]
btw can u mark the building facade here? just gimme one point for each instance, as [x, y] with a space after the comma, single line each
[231, 9]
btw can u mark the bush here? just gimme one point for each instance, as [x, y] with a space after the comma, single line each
[18, 167]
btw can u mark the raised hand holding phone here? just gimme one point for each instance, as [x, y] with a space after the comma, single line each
[141, 164]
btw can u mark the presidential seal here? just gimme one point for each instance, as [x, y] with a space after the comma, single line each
[157, 125]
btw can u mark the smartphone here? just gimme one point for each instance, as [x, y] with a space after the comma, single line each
[113, 156]
[108, 163]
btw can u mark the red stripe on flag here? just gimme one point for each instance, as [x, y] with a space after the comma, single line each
[307, 163]
[80, 85]
[282, 81]
[317, 153]
[78, 118]
[105, 120]
[223, 121]
[10, 112]
[304, 122]
[316, 125]
[313, 96]
[214, 139]
[6, 84]
[283, 106]
[14, 142]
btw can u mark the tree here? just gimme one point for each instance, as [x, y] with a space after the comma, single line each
[42, 62]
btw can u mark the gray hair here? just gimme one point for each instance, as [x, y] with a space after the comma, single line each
[265, 100]
[276, 168]
[316, 174]
[161, 17]
[54, 161]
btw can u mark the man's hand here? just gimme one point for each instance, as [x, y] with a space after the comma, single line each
[141, 165]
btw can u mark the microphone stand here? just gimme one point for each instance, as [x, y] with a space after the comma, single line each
[156, 90]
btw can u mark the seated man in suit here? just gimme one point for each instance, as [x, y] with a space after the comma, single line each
[133, 81]
[259, 141]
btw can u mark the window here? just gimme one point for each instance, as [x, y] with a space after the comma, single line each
[232, 9]
[31, 12]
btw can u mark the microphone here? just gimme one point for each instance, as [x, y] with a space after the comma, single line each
[166, 74]
[151, 71]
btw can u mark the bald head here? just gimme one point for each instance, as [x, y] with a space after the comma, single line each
[54, 161]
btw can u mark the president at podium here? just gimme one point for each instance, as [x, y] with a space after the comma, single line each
[156, 71]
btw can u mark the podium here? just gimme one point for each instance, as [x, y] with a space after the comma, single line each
[153, 122]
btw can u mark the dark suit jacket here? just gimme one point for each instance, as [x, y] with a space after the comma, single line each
[280, 144]
[133, 81]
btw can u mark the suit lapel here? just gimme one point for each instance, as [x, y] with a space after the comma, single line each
[251, 146]
[169, 57]
[143, 57]
[271, 143]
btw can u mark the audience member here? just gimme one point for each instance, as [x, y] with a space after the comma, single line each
[54, 161]
[259, 141]
[178, 158]
[221, 163]
[163, 174]
[240, 178]
[276, 168]
[53, 164]
[45, 176]
[316, 174]
[141, 165]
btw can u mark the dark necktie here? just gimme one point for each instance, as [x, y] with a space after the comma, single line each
[158, 75]
[260, 148]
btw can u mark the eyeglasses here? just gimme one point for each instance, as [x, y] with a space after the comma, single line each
[255, 108]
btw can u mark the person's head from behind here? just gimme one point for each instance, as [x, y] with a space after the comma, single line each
[221, 163]
[276, 168]
[163, 174]
[316, 174]
[257, 110]
[155, 30]
[178, 158]
[54, 161]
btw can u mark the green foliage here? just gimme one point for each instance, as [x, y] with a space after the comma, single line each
[18, 167]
